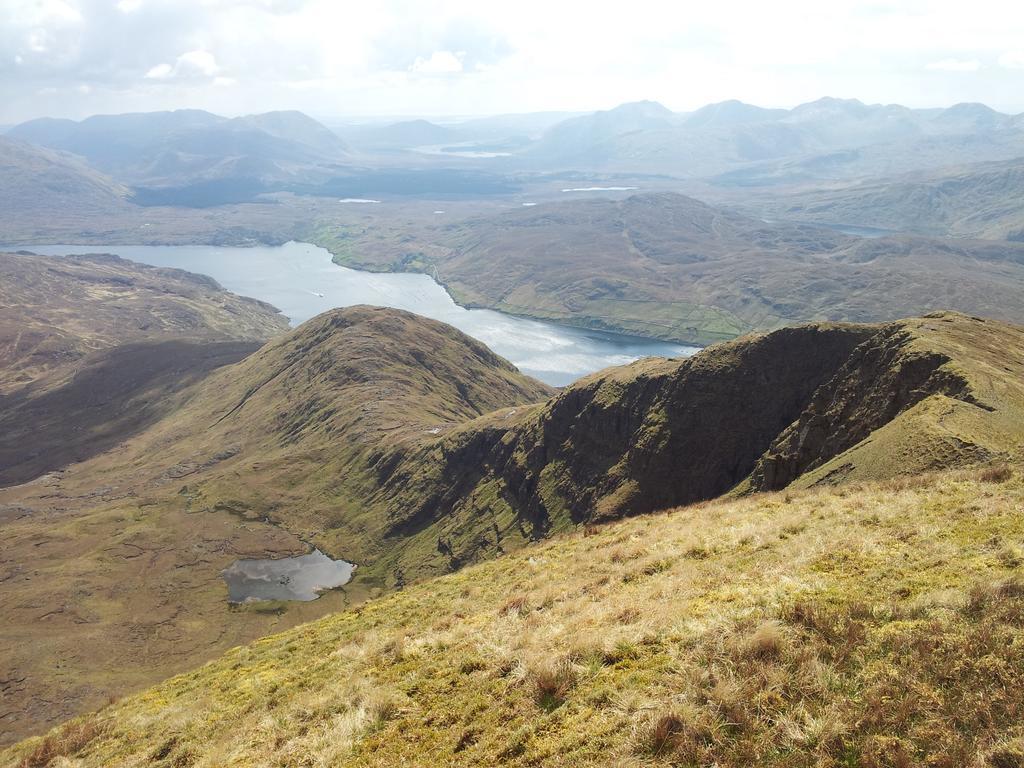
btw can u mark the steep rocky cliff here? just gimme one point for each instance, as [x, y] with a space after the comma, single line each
[817, 403]
[626, 441]
[879, 381]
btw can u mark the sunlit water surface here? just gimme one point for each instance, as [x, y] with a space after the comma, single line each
[288, 578]
[301, 280]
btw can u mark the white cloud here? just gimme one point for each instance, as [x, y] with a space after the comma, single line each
[43, 12]
[955, 65]
[439, 63]
[406, 56]
[38, 41]
[1012, 60]
[197, 62]
[191, 65]
[160, 72]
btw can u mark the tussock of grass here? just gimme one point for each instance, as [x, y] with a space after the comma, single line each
[999, 473]
[517, 605]
[70, 739]
[767, 643]
[551, 682]
[887, 632]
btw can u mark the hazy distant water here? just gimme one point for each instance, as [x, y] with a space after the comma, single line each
[292, 275]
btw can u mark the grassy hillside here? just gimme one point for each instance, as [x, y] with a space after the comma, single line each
[982, 200]
[809, 405]
[110, 570]
[54, 311]
[668, 266]
[41, 183]
[94, 349]
[876, 624]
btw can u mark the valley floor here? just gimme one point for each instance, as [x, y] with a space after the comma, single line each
[876, 624]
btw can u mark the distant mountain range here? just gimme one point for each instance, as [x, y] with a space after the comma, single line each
[196, 158]
[159, 148]
[753, 145]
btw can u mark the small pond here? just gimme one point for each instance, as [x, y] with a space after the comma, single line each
[287, 578]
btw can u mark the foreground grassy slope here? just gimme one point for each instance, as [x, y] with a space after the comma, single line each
[669, 266]
[877, 624]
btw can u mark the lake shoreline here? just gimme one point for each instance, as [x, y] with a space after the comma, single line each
[579, 322]
[303, 279]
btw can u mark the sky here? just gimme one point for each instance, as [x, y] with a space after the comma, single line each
[338, 59]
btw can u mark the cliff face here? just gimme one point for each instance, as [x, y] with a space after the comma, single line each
[687, 432]
[816, 403]
[880, 380]
[629, 440]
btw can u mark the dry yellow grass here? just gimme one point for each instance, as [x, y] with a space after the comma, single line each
[872, 625]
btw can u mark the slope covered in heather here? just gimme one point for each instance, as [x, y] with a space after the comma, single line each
[110, 574]
[874, 625]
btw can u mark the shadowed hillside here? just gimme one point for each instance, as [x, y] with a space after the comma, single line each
[54, 311]
[810, 405]
[94, 348]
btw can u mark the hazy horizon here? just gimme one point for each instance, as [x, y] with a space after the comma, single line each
[398, 59]
[454, 119]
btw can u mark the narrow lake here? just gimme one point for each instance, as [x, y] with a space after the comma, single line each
[301, 280]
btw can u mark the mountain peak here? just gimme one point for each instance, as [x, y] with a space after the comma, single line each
[830, 105]
[646, 108]
[730, 113]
